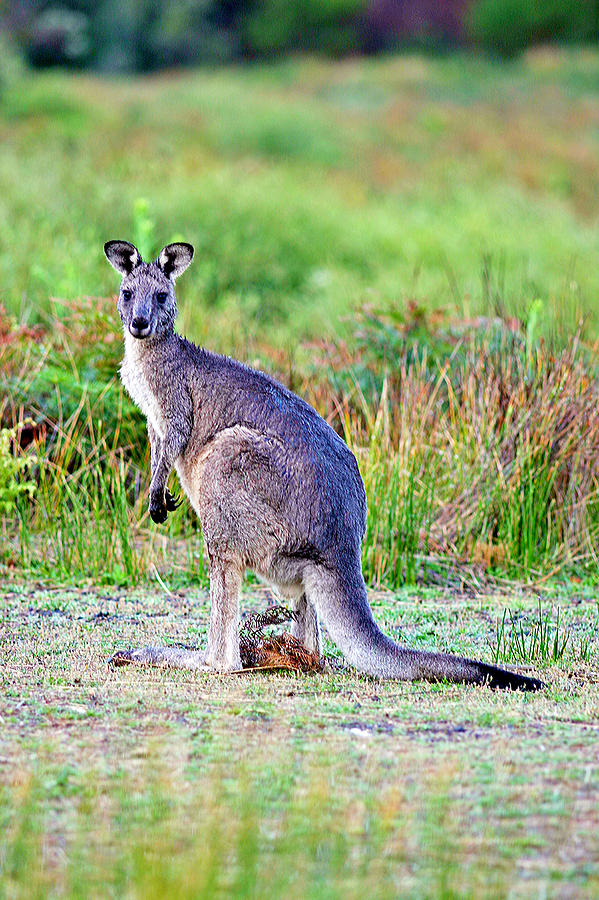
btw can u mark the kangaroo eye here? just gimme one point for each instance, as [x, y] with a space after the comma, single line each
[161, 296]
[126, 295]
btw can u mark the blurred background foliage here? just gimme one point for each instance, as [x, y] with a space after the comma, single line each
[147, 35]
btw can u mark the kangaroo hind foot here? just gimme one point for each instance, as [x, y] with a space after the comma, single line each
[164, 657]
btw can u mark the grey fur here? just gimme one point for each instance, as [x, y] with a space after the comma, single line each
[276, 489]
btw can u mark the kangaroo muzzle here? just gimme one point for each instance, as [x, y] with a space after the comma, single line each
[140, 327]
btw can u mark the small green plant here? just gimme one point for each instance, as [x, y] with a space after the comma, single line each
[14, 484]
[541, 640]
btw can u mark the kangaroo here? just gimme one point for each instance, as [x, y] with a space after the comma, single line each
[275, 487]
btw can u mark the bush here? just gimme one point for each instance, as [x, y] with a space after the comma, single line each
[147, 35]
[509, 26]
[13, 469]
[280, 26]
[60, 36]
[477, 444]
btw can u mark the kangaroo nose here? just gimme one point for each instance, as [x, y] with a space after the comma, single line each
[139, 323]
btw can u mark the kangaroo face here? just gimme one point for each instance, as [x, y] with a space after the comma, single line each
[147, 304]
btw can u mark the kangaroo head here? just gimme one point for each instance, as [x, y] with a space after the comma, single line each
[147, 304]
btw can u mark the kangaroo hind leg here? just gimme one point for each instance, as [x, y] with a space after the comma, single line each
[222, 651]
[306, 628]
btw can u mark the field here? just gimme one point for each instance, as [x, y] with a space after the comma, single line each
[310, 189]
[149, 784]
[412, 245]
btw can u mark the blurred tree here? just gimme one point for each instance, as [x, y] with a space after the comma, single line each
[116, 26]
[144, 35]
[273, 27]
[60, 34]
[124, 35]
[389, 23]
[188, 32]
[509, 26]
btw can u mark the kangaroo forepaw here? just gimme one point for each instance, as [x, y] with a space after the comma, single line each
[158, 512]
[172, 503]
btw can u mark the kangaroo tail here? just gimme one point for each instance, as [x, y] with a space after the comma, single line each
[342, 604]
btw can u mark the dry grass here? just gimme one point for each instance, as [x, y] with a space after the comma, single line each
[261, 650]
[477, 444]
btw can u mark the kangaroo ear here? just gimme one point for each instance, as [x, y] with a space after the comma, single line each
[174, 259]
[122, 256]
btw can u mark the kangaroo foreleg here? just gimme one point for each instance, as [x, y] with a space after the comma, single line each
[163, 454]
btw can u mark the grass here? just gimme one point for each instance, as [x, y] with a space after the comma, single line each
[228, 853]
[542, 639]
[476, 442]
[480, 449]
[148, 783]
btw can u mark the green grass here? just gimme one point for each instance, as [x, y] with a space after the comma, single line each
[311, 188]
[541, 639]
[150, 783]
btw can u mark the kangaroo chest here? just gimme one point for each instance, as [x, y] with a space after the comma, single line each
[140, 390]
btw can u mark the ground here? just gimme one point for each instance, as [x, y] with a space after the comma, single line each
[152, 782]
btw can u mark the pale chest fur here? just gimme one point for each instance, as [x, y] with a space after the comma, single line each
[139, 389]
